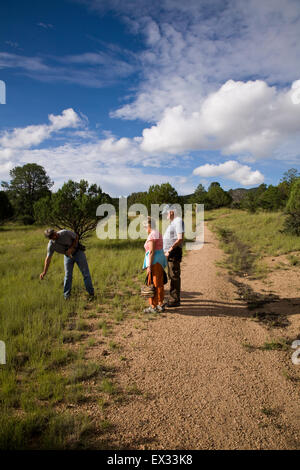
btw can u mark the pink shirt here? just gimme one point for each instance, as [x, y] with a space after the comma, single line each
[155, 236]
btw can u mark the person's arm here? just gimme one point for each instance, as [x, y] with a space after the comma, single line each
[151, 254]
[46, 266]
[73, 246]
[180, 236]
[178, 242]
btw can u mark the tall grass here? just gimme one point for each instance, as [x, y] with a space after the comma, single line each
[248, 238]
[262, 231]
[33, 318]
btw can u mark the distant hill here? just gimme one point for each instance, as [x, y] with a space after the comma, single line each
[239, 193]
[184, 199]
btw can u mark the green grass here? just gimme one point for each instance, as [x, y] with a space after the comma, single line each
[44, 430]
[133, 389]
[82, 325]
[40, 330]
[294, 260]
[114, 346]
[249, 347]
[102, 325]
[106, 425]
[72, 336]
[83, 370]
[248, 238]
[280, 344]
[261, 231]
[239, 258]
[269, 411]
[108, 387]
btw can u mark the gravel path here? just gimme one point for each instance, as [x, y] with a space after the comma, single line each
[201, 387]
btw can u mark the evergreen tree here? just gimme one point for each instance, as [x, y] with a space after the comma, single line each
[29, 183]
[73, 206]
[6, 209]
[217, 197]
[292, 222]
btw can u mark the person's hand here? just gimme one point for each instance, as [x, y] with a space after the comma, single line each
[149, 270]
[42, 275]
[69, 252]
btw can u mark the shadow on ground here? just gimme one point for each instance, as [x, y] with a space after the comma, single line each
[269, 310]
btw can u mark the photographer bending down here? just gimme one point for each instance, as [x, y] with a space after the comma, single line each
[66, 243]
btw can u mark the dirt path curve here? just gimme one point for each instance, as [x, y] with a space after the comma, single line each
[201, 388]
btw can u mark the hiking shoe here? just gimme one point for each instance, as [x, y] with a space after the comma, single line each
[173, 304]
[149, 310]
[160, 308]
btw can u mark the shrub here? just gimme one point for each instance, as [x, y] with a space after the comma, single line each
[292, 222]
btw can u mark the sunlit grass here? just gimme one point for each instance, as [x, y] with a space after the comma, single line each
[248, 238]
[35, 326]
[262, 231]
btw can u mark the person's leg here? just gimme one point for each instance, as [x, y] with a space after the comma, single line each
[175, 282]
[69, 265]
[154, 300]
[158, 281]
[81, 260]
[160, 284]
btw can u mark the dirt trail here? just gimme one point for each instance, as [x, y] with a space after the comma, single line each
[201, 388]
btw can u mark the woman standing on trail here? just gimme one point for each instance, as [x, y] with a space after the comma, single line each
[155, 262]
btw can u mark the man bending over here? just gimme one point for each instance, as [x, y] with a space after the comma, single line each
[66, 243]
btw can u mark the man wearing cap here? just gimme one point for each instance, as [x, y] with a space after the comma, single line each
[173, 241]
[66, 243]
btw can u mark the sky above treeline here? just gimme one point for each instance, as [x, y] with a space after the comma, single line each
[131, 93]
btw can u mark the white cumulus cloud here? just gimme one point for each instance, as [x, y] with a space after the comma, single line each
[33, 135]
[192, 47]
[242, 118]
[231, 170]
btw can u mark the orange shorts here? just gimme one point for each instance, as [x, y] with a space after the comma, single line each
[158, 282]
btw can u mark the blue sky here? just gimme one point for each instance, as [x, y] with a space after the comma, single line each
[129, 94]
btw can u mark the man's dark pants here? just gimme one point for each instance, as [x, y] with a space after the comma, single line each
[174, 275]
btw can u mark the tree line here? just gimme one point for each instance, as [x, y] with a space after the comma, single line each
[28, 198]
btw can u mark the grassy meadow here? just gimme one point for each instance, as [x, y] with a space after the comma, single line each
[42, 372]
[249, 238]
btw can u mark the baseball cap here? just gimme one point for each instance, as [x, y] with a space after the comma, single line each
[49, 232]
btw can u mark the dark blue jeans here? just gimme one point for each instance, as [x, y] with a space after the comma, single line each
[82, 263]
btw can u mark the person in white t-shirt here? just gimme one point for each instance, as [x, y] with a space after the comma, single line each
[173, 241]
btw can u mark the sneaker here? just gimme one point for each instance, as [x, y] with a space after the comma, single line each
[160, 308]
[149, 310]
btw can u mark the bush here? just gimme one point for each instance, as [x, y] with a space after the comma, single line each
[26, 219]
[292, 222]
[271, 199]
[6, 209]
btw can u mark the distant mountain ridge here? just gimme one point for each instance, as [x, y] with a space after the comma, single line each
[238, 194]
